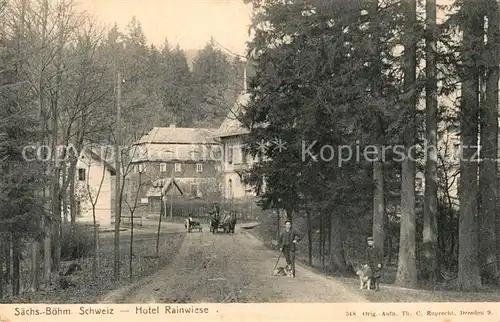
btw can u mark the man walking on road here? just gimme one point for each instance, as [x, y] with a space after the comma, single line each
[287, 245]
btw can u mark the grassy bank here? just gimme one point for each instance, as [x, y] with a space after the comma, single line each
[81, 287]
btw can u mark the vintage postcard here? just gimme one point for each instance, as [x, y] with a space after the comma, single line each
[263, 160]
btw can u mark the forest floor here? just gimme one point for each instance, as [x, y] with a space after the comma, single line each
[86, 289]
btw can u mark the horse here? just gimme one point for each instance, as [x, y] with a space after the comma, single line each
[228, 222]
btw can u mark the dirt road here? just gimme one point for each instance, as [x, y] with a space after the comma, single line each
[230, 268]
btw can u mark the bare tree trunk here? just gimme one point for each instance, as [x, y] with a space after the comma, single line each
[492, 88]
[430, 262]
[64, 172]
[56, 192]
[488, 166]
[94, 252]
[2, 261]
[72, 193]
[47, 258]
[378, 166]
[309, 237]
[378, 206]
[95, 255]
[172, 203]
[468, 268]
[162, 210]
[407, 267]
[278, 230]
[132, 211]
[34, 266]
[118, 192]
[8, 263]
[72, 206]
[56, 232]
[16, 267]
[322, 241]
[389, 257]
[131, 255]
[95, 262]
[329, 226]
[337, 258]
[56, 206]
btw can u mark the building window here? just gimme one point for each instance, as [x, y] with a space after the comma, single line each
[169, 155]
[243, 155]
[230, 189]
[194, 189]
[81, 175]
[199, 167]
[163, 167]
[194, 155]
[178, 167]
[230, 155]
[142, 168]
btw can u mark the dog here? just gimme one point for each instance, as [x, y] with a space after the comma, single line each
[365, 274]
[283, 271]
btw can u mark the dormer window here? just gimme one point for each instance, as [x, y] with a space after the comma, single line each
[168, 155]
[194, 155]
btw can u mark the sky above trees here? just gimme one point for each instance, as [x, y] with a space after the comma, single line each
[189, 23]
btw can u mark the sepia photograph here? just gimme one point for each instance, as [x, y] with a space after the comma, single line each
[180, 152]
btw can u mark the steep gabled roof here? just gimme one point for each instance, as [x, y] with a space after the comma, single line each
[108, 165]
[162, 187]
[231, 125]
[94, 153]
[179, 135]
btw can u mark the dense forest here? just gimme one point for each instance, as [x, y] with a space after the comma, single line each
[373, 75]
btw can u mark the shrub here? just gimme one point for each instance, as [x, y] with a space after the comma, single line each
[79, 245]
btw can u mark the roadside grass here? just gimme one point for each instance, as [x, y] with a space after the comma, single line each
[83, 288]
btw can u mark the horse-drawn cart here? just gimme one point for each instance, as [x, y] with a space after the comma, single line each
[191, 224]
[226, 221]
